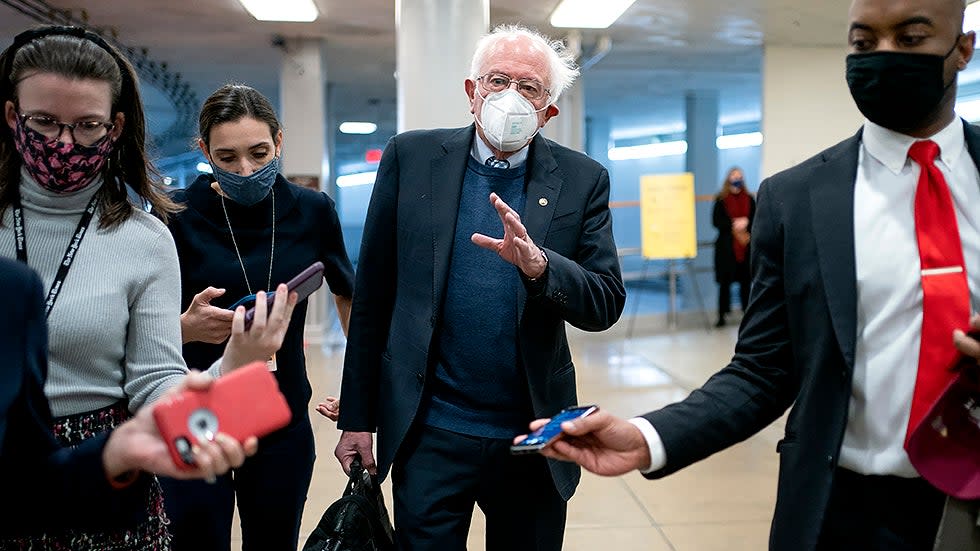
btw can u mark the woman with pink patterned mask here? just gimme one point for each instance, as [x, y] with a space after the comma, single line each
[72, 153]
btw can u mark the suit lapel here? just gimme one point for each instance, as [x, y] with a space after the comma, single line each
[448, 172]
[831, 203]
[972, 141]
[543, 187]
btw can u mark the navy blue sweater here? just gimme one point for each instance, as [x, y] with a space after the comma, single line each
[479, 386]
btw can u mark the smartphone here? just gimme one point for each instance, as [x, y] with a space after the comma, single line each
[547, 434]
[303, 284]
[243, 403]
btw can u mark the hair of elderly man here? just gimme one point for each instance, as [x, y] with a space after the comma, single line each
[561, 61]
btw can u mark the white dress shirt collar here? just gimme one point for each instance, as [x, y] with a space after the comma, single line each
[481, 152]
[891, 148]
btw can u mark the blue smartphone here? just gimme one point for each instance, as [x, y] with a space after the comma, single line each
[551, 431]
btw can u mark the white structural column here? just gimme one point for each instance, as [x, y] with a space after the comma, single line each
[806, 106]
[436, 40]
[302, 93]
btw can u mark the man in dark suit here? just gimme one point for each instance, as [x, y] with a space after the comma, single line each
[480, 243]
[841, 321]
[96, 483]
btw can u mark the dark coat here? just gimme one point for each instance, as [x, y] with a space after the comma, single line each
[796, 344]
[45, 486]
[404, 265]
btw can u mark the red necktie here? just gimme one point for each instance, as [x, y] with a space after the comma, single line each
[945, 294]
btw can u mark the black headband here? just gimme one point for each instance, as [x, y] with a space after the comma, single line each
[59, 30]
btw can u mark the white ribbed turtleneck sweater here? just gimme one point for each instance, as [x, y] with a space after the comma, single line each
[114, 332]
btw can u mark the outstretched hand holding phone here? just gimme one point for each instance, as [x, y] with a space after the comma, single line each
[601, 443]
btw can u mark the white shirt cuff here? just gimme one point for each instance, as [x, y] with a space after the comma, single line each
[658, 455]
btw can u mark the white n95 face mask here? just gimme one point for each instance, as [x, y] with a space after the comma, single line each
[508, 120]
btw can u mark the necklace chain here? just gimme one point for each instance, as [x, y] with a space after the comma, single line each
[272, 253]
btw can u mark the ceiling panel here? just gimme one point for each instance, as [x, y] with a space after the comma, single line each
[660, 50]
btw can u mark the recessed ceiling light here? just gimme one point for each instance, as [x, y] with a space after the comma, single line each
[350, 127]
[300, 11]
[588, 14]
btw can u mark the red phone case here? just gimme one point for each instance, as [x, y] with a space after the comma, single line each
[243, 403]
[303, 284]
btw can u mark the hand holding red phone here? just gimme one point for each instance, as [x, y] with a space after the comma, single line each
[260, 341]
[137, 445]
[243, 404]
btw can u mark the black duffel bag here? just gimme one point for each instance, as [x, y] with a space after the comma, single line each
[358, 521]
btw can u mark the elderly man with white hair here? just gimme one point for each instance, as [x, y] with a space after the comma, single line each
[480, 244]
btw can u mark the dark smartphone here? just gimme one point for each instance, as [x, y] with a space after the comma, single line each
[303, 284]
[547, 434]
[243, 403]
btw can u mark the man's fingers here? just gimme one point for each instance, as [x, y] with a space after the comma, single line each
[503, 209]
[966, 344]
[538, 423]
[512, 224]
[587, 424]
[975, 322]
[486, 242]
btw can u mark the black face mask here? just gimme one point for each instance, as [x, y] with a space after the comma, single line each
[898, 90]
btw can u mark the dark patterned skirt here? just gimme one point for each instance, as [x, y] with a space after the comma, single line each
[150, 534]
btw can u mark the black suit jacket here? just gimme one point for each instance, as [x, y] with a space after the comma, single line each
[45, 487]
[404, 264]
[796, 343]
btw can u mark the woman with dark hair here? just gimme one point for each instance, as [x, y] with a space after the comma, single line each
[732, 216]
[244, 227]
[72, 146]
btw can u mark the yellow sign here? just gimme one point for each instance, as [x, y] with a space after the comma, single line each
[667, 216]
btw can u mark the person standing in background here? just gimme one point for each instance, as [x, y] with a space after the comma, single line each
[732, 216]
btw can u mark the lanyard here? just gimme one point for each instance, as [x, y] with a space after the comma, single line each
[76, 240]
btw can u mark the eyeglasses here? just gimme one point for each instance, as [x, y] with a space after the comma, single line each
[83, 132]
[527, 87]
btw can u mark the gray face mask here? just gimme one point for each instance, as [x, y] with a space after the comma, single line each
[248, 190]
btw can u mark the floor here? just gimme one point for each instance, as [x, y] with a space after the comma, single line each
[722, 503]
